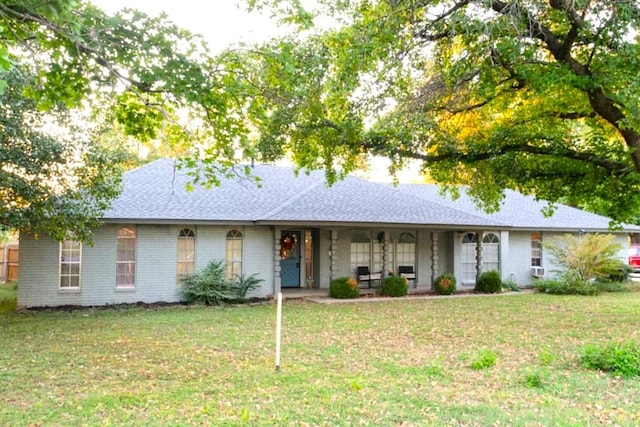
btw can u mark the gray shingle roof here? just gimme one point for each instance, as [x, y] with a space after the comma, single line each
[157, 193]
[517, 210]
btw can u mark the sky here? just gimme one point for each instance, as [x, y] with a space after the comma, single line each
[221, 22]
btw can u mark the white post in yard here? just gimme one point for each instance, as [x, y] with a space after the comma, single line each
[278, 329]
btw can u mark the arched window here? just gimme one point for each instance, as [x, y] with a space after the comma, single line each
[360, 251]
[234, 253]
[186, 253]
[126, 258]
[469, 245]
[490, 252]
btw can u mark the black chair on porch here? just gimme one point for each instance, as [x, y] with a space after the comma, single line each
[408, 273]
[364, 275]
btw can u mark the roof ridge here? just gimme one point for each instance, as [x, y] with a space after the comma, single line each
[442, 205]
[290, 201]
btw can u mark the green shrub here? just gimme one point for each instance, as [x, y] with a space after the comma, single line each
[445, 284]
[489, 282]
[567, 284]
[618, 358]
[245, 284]
[605, 286]
[511, 285]
[344, 287]
[211, 286]
[484, 359]
[588, 257]
[616, 272]
[394, 286]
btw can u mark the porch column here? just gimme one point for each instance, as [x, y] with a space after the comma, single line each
[480, 235]
[333, 255]
[385, 256]
[434, 258]
[276, 262]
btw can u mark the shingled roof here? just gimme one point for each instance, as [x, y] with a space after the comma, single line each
[156, 193]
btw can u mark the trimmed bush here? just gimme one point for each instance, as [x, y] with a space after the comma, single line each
[394, 286]
[211, 286]
[445, 284]
[344, 287]
[618, 358]
[489, 282]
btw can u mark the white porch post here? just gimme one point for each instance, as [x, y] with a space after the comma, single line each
[385, 256]
[276, 261]
[333, 255]
[435, 268]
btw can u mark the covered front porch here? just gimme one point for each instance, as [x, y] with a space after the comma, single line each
[308, 258]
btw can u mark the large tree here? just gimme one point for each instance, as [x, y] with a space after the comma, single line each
[64, 59]
[537, 96]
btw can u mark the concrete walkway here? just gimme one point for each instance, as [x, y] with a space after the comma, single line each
[370, 297]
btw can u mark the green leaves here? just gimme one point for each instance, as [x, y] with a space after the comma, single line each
[536, 97]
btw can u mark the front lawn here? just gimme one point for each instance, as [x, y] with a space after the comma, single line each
[494, 360]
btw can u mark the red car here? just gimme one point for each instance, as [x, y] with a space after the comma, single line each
[634, 257]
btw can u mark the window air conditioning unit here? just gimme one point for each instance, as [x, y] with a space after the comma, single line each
[537, 271]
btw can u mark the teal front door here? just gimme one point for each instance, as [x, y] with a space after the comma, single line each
[290, 259]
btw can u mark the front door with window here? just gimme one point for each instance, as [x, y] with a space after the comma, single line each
[290, 259]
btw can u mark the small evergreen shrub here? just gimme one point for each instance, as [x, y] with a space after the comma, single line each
[489, 282]
[344, 287]
[618, 358]
[211, 286]
[394, 286]
[445, 284]
[567, 284]
[484, 359]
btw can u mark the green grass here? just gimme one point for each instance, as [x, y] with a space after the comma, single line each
[8, 297]
[368, 363]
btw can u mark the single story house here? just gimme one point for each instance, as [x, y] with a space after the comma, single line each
[293, 231]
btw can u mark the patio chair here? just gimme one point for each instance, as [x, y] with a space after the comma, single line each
[364, 275]
[408, 273]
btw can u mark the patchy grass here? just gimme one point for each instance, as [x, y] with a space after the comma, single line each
[368, 363]
[8, 297]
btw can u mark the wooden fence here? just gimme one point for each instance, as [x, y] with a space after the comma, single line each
[8, 263]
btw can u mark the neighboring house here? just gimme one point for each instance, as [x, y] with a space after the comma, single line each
[293, 231]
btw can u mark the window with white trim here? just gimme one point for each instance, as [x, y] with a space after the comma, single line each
[406, 250]
[469, 248]
[70, 264]
[490, 252]
[536, 249]
[360, 251]
[186, 253]
[126, 258]
[234, 253]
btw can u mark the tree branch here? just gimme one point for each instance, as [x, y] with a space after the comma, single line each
[472, 157]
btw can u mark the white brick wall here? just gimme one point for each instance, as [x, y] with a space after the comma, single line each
[157, 255]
